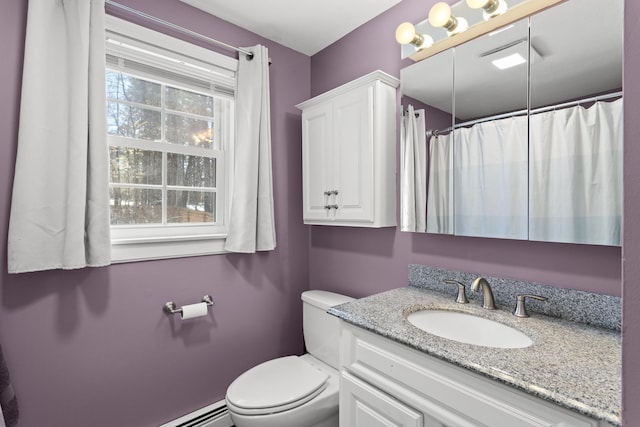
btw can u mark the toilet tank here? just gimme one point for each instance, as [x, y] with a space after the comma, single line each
[322, 330]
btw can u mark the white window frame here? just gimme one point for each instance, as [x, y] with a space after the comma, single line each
[148, 242]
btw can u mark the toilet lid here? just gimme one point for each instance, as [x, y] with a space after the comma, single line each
[276, 383]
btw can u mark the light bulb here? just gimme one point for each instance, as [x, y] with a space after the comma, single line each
[490, 8]
[440, 14]
[405, 33]
[427, 41]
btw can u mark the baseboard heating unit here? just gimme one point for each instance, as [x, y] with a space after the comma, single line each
[215, 415]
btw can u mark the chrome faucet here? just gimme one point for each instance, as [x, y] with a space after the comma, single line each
[488, 303]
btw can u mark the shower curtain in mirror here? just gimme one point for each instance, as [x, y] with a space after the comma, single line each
[252, 223]
[440, 193]
[582, 149]
[413, 170]
[60, 203]
[490, 179]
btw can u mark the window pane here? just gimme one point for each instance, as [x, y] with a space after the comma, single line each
[191, 171]
[190, 206]
[135, 206]
[133, 166]
[187, 131]
[128, 88]
[188, 102]
[133, 122]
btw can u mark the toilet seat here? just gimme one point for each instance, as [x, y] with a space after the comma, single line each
[275, 386]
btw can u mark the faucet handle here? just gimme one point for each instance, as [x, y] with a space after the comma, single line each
[521, 309]
[462, 295]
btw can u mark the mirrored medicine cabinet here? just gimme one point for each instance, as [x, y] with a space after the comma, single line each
[523, 129]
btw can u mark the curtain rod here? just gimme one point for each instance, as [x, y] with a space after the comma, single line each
[178, 28]
[436, 132]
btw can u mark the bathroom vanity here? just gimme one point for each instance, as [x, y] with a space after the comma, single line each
[393, 373]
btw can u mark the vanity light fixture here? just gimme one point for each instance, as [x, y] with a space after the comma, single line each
[490, 8]
[440, 16]
[406, 34]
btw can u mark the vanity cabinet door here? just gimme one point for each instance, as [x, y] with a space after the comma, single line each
[362, 405]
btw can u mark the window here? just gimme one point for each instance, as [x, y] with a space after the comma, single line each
[170, 114]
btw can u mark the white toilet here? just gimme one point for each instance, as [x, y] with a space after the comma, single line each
[295, 391]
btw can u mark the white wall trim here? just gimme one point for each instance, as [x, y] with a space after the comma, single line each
[219, 417]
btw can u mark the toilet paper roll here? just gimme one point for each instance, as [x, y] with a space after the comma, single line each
[194, 310]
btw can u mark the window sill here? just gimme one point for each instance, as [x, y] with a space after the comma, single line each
[146, 249]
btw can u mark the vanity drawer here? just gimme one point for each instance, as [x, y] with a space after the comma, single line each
[452, 395]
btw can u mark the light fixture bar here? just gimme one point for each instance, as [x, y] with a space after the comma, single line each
[513, 14]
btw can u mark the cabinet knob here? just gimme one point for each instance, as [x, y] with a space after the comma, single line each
[334, 206]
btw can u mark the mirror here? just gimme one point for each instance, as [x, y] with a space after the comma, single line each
[490, 135]
[435, 102]
[584, 152]
[502, 162]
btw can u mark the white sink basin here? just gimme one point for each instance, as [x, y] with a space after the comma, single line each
[468, 328]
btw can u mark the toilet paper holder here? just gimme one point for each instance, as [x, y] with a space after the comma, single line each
[170, 306]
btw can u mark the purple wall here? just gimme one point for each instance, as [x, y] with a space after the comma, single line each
[92, 347]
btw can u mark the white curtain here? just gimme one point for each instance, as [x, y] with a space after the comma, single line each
[440, 195]
[60, 203]
[581, 148]
[413, 147]
[252, 224]
[490, 176]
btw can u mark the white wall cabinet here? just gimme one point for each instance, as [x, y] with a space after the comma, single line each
[384, 383]
[349, 154]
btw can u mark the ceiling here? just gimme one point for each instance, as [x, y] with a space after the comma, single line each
[304, 26]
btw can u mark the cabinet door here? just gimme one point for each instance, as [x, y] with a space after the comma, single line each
[362, 405]
[317, 162]
[353, 155]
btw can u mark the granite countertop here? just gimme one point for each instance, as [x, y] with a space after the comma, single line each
[570, 364]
